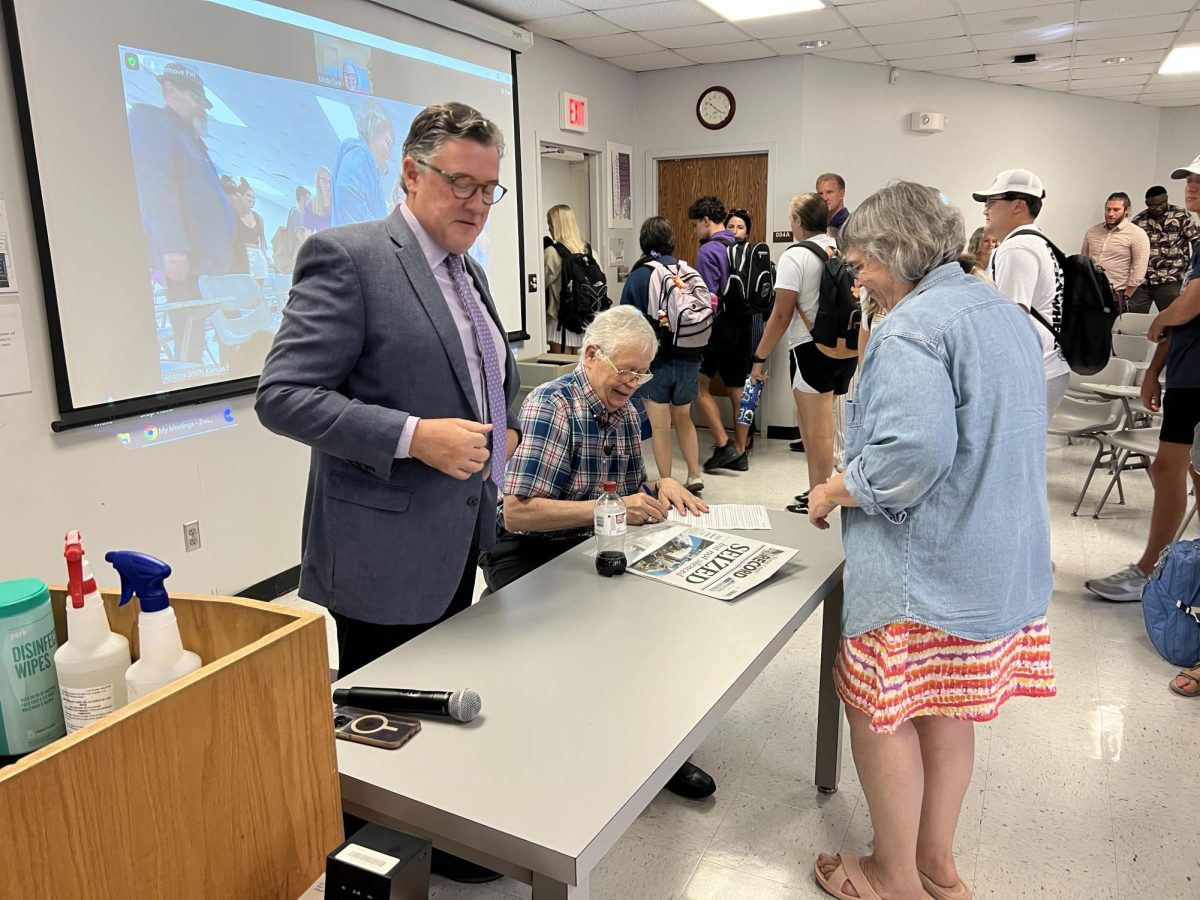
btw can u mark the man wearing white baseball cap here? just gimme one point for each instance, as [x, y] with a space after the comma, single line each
[1177, 331]
[1023, 267]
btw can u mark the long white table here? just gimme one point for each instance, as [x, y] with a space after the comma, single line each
[595, 691]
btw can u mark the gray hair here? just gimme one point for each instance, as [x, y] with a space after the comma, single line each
[617, 328]
[908, 227]
[435, 125]
[372, 118]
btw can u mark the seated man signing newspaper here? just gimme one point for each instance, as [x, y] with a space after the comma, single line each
[577, 432]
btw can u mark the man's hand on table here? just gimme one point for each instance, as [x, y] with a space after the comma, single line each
[642, 509]
[676, 496]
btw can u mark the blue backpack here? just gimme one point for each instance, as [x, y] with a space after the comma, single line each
[1171, 604]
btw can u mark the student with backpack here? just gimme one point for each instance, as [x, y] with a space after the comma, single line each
[668, 398]
[816, 377]
[574, 282]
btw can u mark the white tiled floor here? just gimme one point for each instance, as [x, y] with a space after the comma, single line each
[1092, 794]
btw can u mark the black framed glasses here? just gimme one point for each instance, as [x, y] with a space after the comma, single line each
[464, 187]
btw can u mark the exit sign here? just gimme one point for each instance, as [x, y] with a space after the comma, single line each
[573, 112]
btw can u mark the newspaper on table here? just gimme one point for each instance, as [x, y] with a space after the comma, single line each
[707, 562]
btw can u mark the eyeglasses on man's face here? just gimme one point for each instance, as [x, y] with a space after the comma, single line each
[464, 187]
[625, 374]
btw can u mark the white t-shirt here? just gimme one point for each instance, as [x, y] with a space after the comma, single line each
[1026, 272]
[799, 270]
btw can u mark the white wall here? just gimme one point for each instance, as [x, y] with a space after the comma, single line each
[1178, 145]
[566, 181]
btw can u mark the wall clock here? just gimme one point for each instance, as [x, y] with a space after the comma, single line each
[716, 107]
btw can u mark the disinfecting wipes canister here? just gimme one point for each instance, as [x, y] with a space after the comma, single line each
[30, 710]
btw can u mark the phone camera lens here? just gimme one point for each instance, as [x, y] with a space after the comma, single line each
[340, 721]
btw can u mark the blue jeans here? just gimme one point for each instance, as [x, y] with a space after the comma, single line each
[676, 381]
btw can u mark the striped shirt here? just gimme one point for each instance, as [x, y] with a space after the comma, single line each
[570, 444]
[1171, 240]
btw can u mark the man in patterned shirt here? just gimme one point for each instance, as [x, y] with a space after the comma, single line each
[1172, 236]
[578, 431]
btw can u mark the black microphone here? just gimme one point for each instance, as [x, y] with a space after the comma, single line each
[462, 706]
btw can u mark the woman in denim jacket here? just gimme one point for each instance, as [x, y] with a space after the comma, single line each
[946, 535]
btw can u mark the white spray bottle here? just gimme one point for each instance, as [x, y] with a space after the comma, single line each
[91, 664]
[162, 658]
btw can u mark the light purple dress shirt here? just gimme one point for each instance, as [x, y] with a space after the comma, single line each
[436, 257]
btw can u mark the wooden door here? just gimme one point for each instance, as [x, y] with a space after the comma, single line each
[738, 181]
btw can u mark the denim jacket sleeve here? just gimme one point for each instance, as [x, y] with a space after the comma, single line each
[912, 428]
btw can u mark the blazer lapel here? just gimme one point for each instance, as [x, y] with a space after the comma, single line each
[429, 294]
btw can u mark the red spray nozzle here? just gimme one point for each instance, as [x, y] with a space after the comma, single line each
[76, 586]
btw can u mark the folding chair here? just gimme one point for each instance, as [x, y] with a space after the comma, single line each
[1091, 421]
[1141, 443]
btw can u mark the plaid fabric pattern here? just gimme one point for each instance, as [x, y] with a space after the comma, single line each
[1171, 240]
[565, 430]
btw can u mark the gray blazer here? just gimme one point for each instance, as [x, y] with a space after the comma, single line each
[367, 340]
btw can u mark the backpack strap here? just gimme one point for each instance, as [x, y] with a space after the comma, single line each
[1061, 259]
[562, 250]
[824, 257]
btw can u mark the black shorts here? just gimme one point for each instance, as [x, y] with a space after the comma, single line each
[1180, 415]
[815, 373]
[728, 352]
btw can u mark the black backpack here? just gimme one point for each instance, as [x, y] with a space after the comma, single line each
[1089, 309]
[839, 316]
[750, 288]
[583, 291]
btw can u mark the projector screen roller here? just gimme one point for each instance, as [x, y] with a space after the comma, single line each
[185, 149]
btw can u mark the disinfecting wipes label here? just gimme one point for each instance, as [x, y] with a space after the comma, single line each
[82, 706]
[366, 858]
[610, 524]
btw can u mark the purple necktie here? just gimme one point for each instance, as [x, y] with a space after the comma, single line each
[492, 375]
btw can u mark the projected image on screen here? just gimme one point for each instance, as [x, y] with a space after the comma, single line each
[234, 170]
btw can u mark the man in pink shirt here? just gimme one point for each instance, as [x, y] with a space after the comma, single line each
[1119, 247]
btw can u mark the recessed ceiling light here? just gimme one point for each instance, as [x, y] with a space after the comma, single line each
[812, 45]
[1116, 60]
[737, 10]
[1180, 60]
[1021, 20]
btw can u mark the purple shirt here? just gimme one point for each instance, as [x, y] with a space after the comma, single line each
[712, 262]
[436, 257]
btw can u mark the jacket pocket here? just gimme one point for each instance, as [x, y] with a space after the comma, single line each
[854, 414]
[372, 494]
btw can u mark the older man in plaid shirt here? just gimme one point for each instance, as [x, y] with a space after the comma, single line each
[577, 432]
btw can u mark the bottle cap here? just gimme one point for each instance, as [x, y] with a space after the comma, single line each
[610, 487]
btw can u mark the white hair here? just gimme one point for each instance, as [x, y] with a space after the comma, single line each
[910, 228]
[621, 327]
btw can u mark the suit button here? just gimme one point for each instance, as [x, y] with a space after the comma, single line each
[472, 501]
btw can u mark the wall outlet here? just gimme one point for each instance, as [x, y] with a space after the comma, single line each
[533, 281]
[191, 536]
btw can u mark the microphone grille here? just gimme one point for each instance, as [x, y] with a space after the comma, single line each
[465, 705]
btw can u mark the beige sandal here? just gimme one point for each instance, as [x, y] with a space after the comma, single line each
[1192, 675]
[959, 891]
[850, 871]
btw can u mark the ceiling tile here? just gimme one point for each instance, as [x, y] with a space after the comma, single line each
[695, 35]
[915, 49]
[648, 62]
[884, 12]
[978, 6]
[924, 30]
[1127, 45]
[623, 44]
[1097, 84]
[934, 63]
[675, 13]
[565, 28]
[793, 23]
[1090, 10]
[1122, 27]
[1140, 58]
[1045, 53]
[607, 4]
[994, 20]
[857, 54]
[965, 72]
[1028, 37]
[1156, 86]
[524, 10]
[1130, 91]
[1026, 77]
[728, 52]
[838, 40]
[1087, 73]
[1159, 101]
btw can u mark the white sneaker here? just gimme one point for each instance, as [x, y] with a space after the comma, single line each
[1122, 587]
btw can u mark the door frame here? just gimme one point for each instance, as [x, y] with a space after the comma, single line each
[653, 156]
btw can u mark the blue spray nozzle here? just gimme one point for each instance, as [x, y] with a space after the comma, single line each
[143, 575]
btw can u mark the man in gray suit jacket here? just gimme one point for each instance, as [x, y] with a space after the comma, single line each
[392, 365]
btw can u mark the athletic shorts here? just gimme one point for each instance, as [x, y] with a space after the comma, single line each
[815, 373]
[675, 381]
[1180, 415]
[729, 351]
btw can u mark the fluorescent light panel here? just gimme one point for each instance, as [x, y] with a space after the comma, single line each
[1181, 60]
[738, 10]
